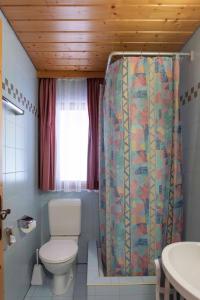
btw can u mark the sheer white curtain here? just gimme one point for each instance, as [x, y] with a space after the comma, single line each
[71, 134]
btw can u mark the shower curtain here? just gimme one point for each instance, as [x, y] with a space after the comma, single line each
[141, 205]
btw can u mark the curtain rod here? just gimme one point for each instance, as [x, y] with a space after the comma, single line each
[144, 53]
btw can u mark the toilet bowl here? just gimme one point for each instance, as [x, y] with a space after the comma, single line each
[58, 257]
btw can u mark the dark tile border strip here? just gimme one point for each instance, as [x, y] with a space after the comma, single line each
[190, 95]
[20, 98]
[187, 97]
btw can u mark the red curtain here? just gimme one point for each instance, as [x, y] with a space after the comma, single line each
[93, 91]
[47, 106]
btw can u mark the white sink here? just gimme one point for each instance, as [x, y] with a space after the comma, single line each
[181, 264]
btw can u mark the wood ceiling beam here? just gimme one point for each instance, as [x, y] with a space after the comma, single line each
[86, 68]
[102, 12]
[68, 55]
[88, 37]
[92, 2]
[94, 47]
[69, 74]
[105, 26]
[70, 62]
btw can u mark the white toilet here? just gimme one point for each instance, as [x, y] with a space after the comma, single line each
[59, 254]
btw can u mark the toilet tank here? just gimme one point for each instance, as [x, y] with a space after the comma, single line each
[65, 217]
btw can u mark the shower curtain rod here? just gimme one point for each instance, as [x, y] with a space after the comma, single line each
[141, 53]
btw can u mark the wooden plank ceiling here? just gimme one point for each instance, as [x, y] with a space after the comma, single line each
[66, 37]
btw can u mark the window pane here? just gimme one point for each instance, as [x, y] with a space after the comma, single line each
[73, 145]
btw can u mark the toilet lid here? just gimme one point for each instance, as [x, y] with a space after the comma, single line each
[58, 251]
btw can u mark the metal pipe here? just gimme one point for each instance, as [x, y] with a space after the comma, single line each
[141, 53]
[12, 106]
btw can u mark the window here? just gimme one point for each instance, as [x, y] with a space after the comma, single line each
[71, 134]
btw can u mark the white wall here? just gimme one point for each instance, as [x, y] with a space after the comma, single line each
[190, 116]
[20, 172]
[19, 162]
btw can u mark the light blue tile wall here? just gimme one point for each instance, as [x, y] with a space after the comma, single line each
[89, 223]
[121, 288]
[19, 166]
[190, 117]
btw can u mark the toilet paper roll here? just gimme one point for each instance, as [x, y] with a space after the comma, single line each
[30, 228]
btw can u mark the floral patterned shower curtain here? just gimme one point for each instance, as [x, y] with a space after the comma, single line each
[141, 206]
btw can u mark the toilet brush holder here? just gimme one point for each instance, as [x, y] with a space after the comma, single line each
[38, 273]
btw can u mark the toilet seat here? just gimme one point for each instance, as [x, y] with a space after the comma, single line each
[58, 251]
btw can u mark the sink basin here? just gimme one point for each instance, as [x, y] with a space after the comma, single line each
[181, 264]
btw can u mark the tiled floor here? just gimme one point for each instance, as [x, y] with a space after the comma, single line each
[45, 293]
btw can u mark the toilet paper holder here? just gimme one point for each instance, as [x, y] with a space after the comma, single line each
[27, 224]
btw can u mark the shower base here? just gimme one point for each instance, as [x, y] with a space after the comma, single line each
[115, 288]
